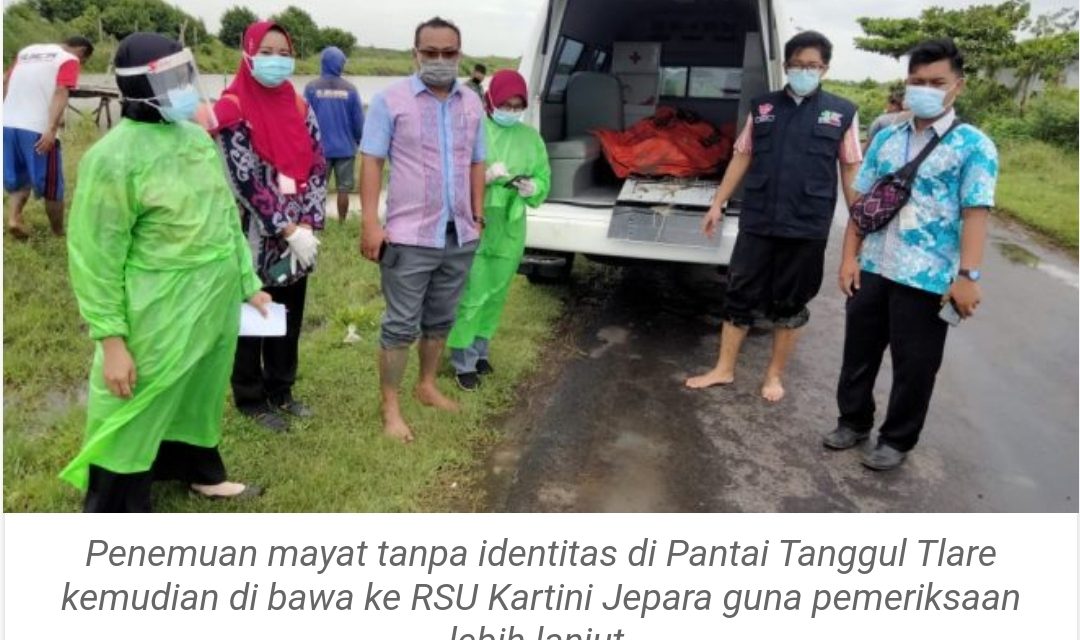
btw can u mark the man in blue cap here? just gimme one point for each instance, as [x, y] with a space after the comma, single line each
[337, 107]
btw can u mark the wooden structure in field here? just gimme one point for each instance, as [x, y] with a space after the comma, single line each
[105, 96]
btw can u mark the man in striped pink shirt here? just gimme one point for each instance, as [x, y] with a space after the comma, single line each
[430, 128]
[798, 147]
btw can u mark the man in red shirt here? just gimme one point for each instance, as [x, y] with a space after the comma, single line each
[36, 90]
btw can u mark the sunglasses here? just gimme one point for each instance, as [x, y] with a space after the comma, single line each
[436, 54]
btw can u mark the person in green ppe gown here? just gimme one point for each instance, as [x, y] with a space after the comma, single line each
[160, 269]
[518, 176]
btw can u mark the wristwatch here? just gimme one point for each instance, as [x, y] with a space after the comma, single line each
[971, 274]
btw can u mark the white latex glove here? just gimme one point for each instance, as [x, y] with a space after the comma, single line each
[526, 188]
[304, 246]
[495, 171]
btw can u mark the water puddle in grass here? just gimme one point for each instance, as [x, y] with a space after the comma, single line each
[36, 417]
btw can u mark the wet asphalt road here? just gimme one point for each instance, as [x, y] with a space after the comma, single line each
[609, 426]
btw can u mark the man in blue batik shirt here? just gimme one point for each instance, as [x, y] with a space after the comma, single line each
[899, 278]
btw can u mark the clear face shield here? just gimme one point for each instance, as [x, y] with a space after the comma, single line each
[174, 81]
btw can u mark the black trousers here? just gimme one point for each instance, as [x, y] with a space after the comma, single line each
[264, 369]
[884, 314]
[772, 278]
[110, 492]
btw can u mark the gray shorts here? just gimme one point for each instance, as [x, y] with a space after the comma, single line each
[344, 170]
[422, 287]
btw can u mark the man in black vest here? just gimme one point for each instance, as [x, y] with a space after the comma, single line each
[788, 152]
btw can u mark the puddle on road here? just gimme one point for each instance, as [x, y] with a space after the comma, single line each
[1016, 254]
[610, 337]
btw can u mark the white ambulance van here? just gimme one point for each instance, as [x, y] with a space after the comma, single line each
[607, 64]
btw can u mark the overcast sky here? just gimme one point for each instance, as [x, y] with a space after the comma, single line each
[502, 26]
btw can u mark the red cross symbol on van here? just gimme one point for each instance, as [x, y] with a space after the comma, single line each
[635, 57]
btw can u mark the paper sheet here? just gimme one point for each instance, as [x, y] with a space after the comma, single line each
[252, 324]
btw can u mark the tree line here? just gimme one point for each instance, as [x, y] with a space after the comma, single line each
[100, 20]
[308, 37]
[993, 38]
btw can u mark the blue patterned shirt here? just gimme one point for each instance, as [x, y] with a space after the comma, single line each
[920, 247]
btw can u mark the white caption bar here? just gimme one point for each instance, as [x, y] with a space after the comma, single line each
[540, 577]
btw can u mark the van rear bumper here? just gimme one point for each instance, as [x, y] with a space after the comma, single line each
[574, 229]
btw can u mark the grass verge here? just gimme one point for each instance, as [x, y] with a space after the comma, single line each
[1038, 187]
[336, 462]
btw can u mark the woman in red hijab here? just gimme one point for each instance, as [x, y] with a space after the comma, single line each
[270, 140]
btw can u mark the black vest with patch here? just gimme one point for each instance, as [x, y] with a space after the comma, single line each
[791, 188]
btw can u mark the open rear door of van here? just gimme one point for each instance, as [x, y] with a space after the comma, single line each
[665, 211]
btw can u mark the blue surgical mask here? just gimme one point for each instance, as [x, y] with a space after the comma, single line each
[803, 81]
[925, 102]
[271, 71]
[505, 118]
[183, 104]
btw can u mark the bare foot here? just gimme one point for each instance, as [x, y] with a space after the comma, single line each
[714, 378]
[430, 396]
[773, 389]
[18, 231]
[394, 427]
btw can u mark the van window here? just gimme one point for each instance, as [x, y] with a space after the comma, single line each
[673, 81]
[601, 58]
[569, 54]
[723, 83]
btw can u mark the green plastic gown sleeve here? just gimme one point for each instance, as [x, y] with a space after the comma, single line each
[99, 236]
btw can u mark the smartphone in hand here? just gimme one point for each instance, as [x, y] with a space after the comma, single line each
[950, 314]
[280, 271]
[513, 183]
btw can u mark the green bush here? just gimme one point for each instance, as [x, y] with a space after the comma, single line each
[1002, 128]
[984, 100]
[868, 95]
[1053, 117]
[23, 27]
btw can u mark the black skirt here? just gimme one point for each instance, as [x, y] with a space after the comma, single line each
[111, 492]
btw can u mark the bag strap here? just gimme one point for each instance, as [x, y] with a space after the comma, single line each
[908, 170]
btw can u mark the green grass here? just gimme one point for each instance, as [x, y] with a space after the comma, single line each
[1038, 186]
[338, 461]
